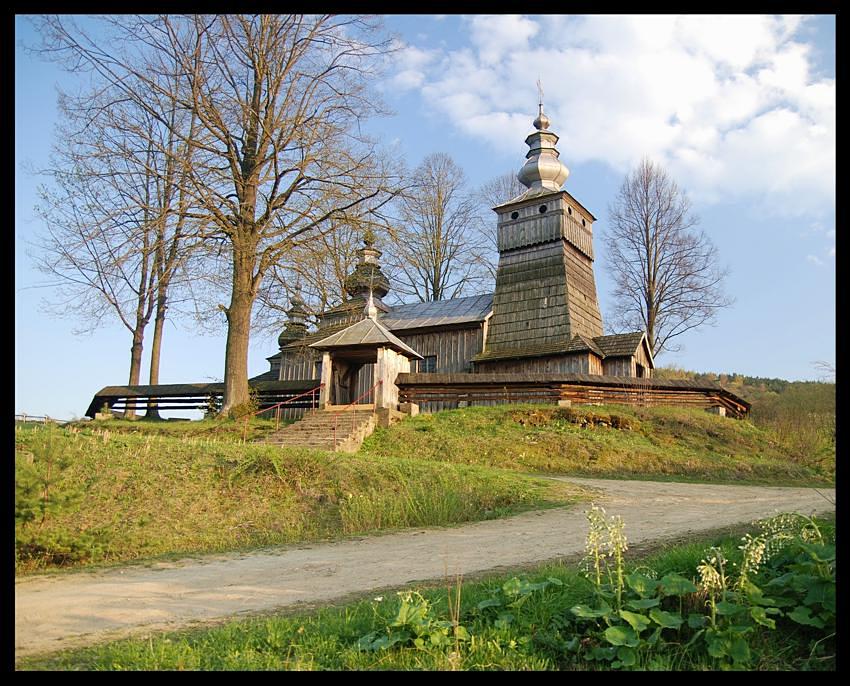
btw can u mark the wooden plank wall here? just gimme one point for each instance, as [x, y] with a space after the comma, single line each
[575, 363]
[432, 398]
[619, 366]
[454, 348]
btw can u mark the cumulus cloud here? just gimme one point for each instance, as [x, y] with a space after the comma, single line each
[728, 103]
[814, 260]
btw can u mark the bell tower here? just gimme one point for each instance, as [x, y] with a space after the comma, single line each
[545, 288]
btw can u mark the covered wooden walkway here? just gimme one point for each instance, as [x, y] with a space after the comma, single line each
[196, 396]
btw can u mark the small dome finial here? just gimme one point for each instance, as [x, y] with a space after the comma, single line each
[542, 121]
[371, 310]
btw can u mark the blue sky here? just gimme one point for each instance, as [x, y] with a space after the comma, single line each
[740, 110]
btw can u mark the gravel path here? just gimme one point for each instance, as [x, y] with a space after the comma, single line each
[62, 611]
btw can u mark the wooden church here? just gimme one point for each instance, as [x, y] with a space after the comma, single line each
[537, 338]
[543, 317]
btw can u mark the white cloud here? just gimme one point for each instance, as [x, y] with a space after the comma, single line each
[814, 260]
[729, 103]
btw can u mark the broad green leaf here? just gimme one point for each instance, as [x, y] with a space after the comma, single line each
[803, 615]
[729, 609]
[668, 620]
[461, 633]
[603, 653]
[367, 642]
[490, 602]
[586, 612]
[673, 584]
[641, 584]
[555, 582]
[621, 636]
[419, 643]
[819, 552]
[636, 621]
[739, 650]
[438, 638]
[573, 644]
[820, 592]
[627, 656]
[716, 646]
[759, 614]
[643, 603]
[697, 621]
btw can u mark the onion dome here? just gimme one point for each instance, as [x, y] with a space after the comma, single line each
[296, 327]
[367, 275]
[543, 169]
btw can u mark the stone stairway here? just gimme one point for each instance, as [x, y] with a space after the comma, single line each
[316, 429]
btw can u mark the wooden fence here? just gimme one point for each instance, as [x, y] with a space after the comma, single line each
[434, 392]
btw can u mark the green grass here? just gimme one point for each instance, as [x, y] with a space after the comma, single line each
[662, 442]
[116, 497]
[328, 639]
[118, 491]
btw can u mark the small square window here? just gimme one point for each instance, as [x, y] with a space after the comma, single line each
[428, 365]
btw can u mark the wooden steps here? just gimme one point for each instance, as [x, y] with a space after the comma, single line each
[339, 429]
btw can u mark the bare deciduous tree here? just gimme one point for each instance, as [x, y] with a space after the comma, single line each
[439, 250]
[666, 274]
[277, 148]
[494, 192]
[116, 232]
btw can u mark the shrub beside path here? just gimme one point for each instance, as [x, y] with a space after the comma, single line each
[54, 612]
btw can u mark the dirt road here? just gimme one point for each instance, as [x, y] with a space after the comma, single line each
[64, 611]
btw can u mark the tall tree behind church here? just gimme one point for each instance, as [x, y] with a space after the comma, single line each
[440, 251]
[667, 274]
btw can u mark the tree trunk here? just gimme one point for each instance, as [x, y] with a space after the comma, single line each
[135, 371]
[238, 331]
[156, 347]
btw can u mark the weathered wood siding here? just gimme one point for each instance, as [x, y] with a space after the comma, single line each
[545, 288]
[578, 363]
[643, 358]
[585, 319]
[530, 301]
[299, 364]
[454, 348]
[618, 366]
[446, 391]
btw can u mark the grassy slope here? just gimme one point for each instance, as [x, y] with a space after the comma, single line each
[327, 639]
[661, 442]
[148, 489]
[134, 495]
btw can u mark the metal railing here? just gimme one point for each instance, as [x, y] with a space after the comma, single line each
[39, 419]
[353, 405]
[312, 392]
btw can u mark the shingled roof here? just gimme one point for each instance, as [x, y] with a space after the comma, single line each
[366, 332]
[620, 344]
[474, 308]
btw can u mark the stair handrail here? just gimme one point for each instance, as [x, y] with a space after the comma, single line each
[353, 404]
[276, 407]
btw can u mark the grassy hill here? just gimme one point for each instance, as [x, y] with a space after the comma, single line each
[118, 491]
[620, 442]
